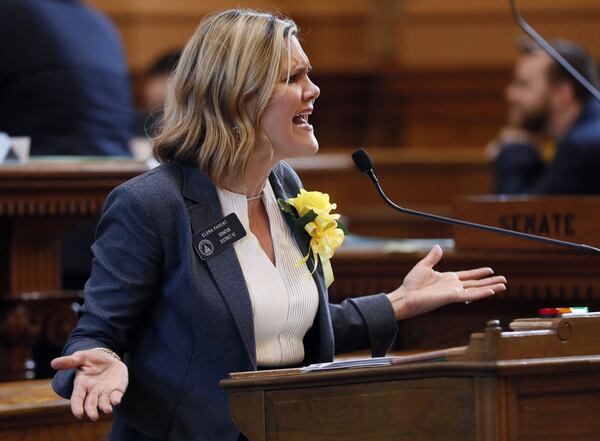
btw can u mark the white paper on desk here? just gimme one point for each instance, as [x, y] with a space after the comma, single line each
[21, 146]
[436, 355]
[14, 149]
[346, 364]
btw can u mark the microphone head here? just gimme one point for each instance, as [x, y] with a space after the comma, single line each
[362, 161]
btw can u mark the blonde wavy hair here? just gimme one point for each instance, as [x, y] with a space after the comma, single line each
[234, 56]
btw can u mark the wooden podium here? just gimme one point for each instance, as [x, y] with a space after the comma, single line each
[540, 381]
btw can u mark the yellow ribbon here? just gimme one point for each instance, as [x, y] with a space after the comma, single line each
[325, 239]
[324, 231]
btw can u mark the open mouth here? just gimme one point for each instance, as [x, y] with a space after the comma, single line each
[300, 119]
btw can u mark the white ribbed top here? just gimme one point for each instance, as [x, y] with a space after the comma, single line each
[284, 297]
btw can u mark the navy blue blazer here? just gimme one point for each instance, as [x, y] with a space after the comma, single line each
[184, 323]
[574, 169]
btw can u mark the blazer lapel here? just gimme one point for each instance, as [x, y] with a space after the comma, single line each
[224, 266]
[299, 236]
[319, 339]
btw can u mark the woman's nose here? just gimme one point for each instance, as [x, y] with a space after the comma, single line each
[312, 92]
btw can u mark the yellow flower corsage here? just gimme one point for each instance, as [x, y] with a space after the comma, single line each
[311, 211]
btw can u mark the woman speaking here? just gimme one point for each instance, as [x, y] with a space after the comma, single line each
[199, 266]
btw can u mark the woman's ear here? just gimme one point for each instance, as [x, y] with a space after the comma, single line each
[251, 103]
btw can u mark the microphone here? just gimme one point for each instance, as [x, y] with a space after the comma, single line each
[365, 165]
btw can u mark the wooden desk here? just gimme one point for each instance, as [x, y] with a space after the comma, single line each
[539, 275]
[419, 178]
[506, 386]
[535, 280]
[31, 411]
[567, 218]
[41, 200]
[38, 203]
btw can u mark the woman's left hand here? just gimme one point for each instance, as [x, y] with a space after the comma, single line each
[425, 289]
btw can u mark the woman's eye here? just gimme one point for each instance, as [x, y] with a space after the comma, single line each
[292, 78]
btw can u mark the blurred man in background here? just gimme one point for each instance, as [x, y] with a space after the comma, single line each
[154, 92]
[63, 79]
[547, 105]
[148, 116]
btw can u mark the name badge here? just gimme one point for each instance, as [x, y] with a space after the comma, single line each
[218, 236]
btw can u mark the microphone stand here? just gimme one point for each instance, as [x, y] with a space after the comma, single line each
[364, 164]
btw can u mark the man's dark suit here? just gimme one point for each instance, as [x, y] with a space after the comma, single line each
[186, 323]
[63, 79]
[574, 169]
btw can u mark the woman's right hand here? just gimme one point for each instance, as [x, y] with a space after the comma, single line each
[100, 381]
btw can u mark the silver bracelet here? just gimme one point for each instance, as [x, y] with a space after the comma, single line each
[109, 352]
